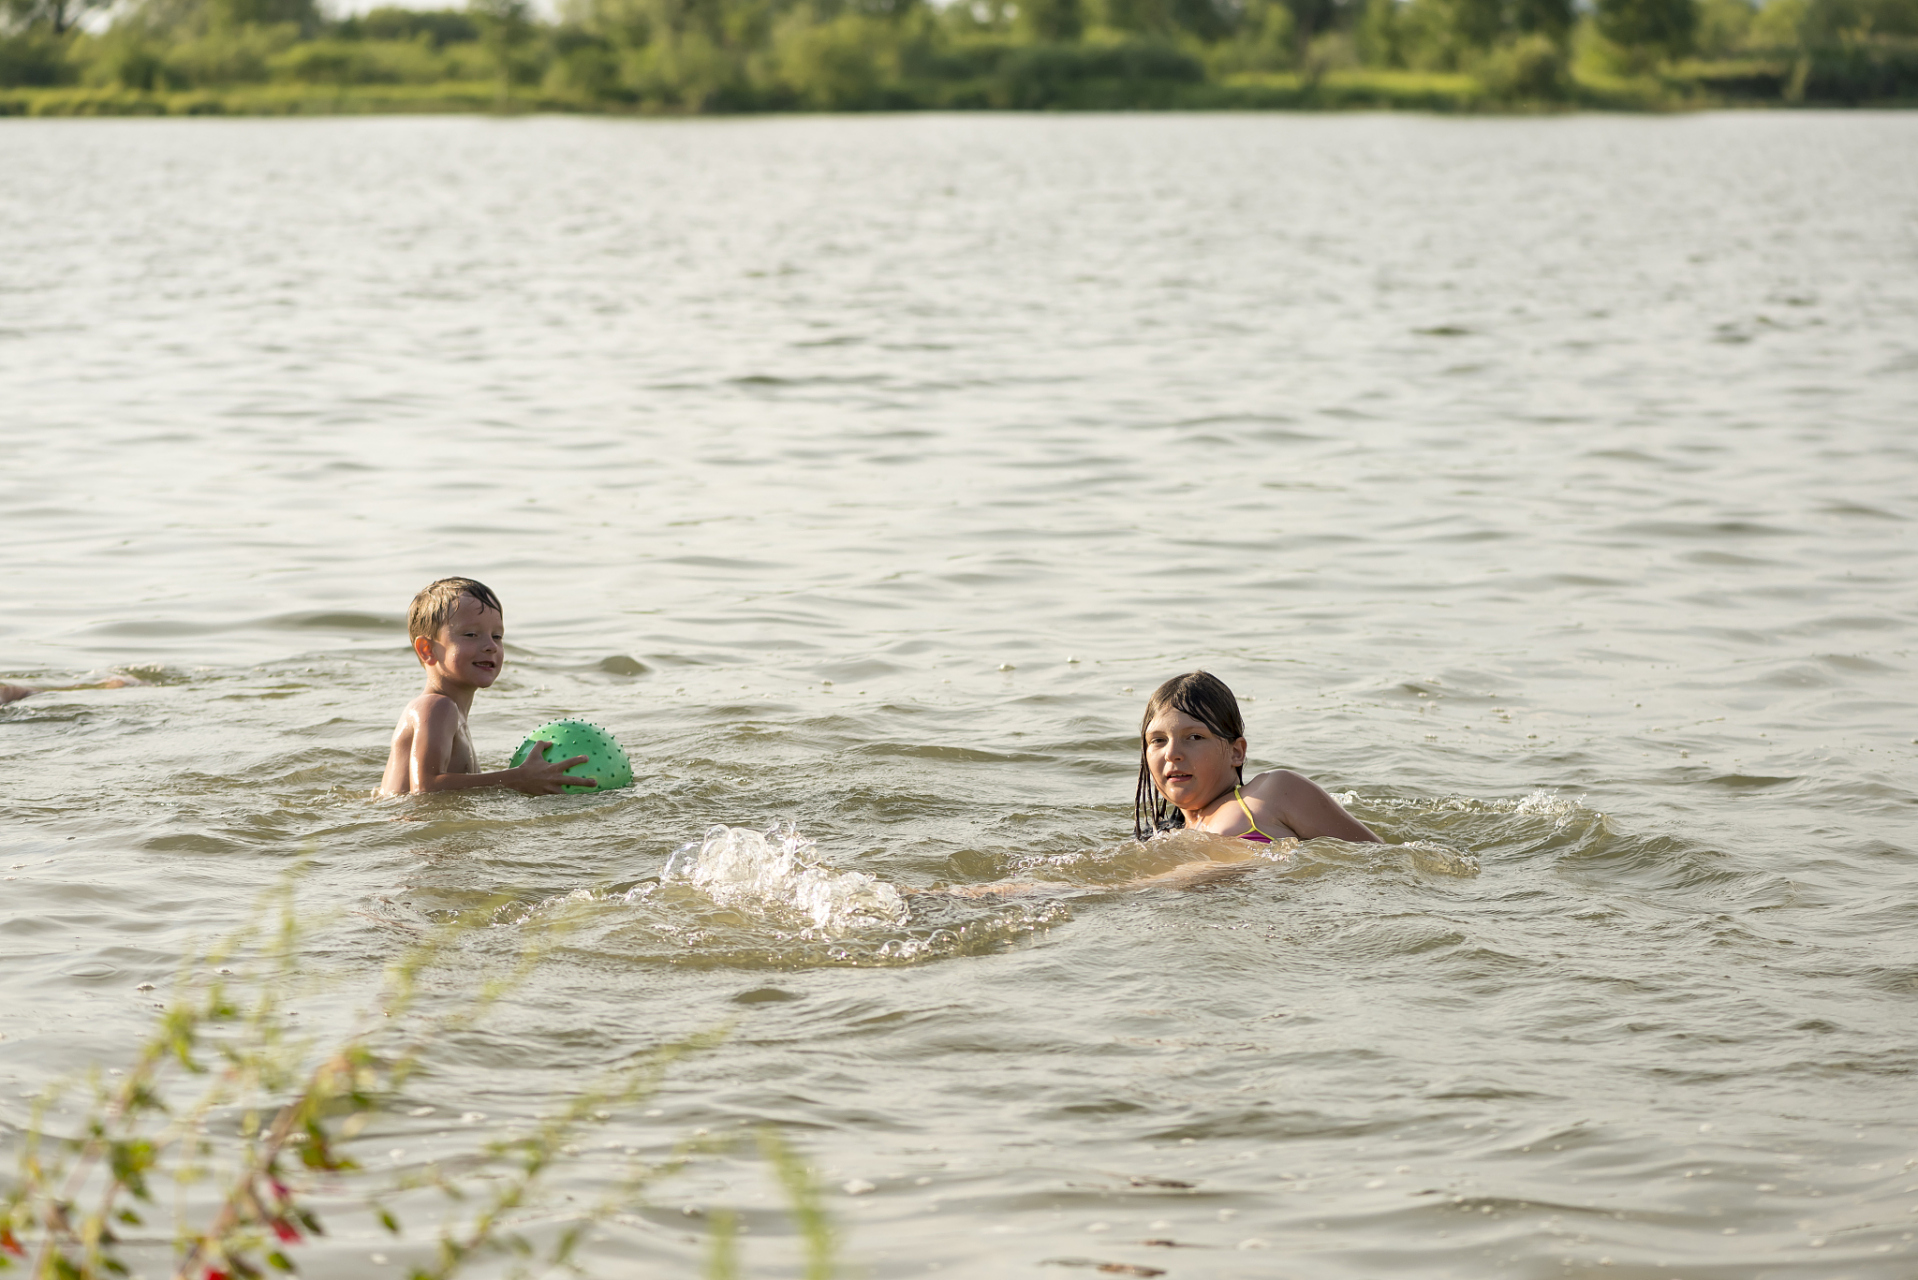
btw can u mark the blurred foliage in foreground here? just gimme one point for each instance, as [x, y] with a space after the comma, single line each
[236, 1126]
[684, 56]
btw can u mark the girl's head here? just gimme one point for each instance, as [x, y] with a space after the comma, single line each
[1191, 747]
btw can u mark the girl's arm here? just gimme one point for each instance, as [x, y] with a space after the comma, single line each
[15, 692]
[1306, 807]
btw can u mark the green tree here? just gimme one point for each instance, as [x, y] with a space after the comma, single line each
[57, 16]
[1264, 40]
[1779, 24]
[1312, 18]
[1723, 26]
[1649, 29]
[36, 58]
[1836, 22]
[1049, 20]
[1484, 24]
[1379, 34]
[234, 14]
[505, 27]
[1422, 34]
[584, 67]
[1165, 19]
[842, 65]
[441, 27]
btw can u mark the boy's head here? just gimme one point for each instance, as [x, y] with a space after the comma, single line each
[436, 606]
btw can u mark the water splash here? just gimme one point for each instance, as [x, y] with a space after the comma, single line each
[1542, 822]
[777, 872]
[1546, 802]
[1437, 859]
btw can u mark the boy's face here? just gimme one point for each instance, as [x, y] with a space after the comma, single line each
[470, 648]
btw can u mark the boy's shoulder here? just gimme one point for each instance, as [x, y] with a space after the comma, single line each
[430, 706]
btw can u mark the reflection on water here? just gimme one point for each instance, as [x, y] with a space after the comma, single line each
[1543, 486]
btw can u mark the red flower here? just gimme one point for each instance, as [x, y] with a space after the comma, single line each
[214, 1273]
[285, 1230]
[11, 1245]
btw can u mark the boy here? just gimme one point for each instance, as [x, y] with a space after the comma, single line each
[458, 631]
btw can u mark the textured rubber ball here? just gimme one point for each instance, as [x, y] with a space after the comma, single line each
[605, 761]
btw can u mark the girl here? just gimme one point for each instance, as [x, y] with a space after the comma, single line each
[1192, 774]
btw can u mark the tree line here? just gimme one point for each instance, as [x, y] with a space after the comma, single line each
[753, 55]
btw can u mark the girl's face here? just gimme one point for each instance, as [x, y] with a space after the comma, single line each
[1190, 765]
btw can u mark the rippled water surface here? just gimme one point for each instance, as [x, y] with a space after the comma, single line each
[1548, 485]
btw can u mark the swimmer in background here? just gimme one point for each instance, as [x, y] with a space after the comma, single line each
[15, 692]
[458, 631]
[1192, 777]
[1192, 774]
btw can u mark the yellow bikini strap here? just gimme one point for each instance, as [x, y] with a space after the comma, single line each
[1239, 795]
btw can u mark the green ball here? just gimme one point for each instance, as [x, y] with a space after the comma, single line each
[605, 761]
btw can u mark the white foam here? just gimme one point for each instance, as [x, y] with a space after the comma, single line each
[1438, 859]
[1546, 802]
[776, 871]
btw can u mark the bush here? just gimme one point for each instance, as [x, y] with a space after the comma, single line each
[1529, 69]
[1882, 70]
[1135, 73]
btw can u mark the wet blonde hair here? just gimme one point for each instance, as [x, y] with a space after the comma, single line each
[1205, 698]
[433, 607]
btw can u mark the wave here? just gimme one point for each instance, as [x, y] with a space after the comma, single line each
[766, 898]
[777, 872]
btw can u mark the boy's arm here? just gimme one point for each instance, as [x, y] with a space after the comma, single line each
[1308, 808]
[433, 736]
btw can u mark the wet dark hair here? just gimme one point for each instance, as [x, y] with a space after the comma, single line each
[1205, 698]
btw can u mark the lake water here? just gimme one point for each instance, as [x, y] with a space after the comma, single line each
[1546, 484]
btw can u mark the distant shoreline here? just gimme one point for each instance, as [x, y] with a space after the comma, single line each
[1359, 90]
[750, 57]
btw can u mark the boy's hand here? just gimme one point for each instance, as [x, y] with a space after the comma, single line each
[538, 776]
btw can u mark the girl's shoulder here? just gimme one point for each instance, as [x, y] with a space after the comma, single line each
[1306, 807]
[1276, 784]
